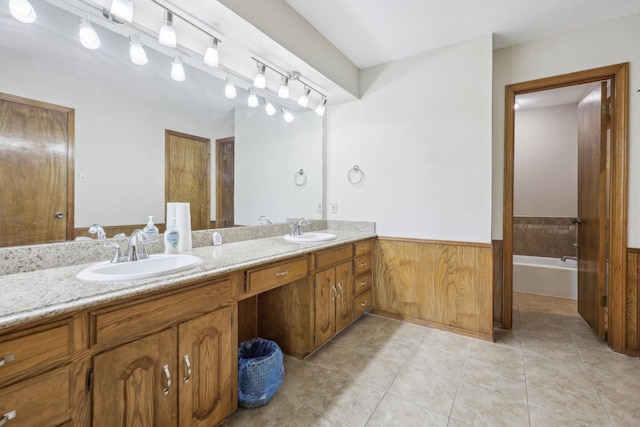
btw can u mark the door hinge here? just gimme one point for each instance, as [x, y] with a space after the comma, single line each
[315, 284]
[606, 109]
[89, 382]
[604, 301]
[314, 337]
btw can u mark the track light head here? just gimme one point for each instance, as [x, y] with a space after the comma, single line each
[269, 108]
[304, 99]
[260, 82]
[88, 36]
[23, 11]
[320, 109]
[167, 35]
[122, 9]
[286, 114]
[284, 88]
[211, 55]
[136, 50]
[229, 89]
[252, 101]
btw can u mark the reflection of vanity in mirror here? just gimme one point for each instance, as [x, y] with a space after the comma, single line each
[121, 115]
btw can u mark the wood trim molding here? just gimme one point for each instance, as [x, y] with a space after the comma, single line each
[436, 242]
[619, 75]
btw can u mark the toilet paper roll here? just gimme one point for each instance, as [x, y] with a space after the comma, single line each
[182, 213]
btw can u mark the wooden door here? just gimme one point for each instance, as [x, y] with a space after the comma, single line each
[36, 172]
[592, 193]
[225, 172]
[130, 383]
[188, 175]
[325, 284]
[206, 357]
[344, 299]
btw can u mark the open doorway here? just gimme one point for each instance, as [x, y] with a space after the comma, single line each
[616, 203]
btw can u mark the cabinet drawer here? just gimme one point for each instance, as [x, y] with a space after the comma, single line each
[362, 264]
[362, 303]
[361, 284]
[333, 256]
[139, 319]
[265, 278]
[362, 248]
[37, 349]
[42, 401]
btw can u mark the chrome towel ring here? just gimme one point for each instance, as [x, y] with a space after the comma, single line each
[299, 178]
[355, 175]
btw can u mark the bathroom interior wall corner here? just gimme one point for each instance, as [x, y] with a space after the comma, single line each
[422, 135]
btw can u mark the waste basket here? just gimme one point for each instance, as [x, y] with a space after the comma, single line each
[260, 372]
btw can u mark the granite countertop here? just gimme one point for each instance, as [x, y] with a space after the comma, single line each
[37, 295]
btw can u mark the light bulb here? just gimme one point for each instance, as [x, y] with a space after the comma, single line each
[304, 99]
[122, 9]
[252, 101]
[177, 70]
[284, 88]
[136, 50]
[167, 35]
[269, 108]
[320, 109]
[88, 36]
[211, 55]
[230, 89]
[22, 11]
[288, 117]
[260, 82]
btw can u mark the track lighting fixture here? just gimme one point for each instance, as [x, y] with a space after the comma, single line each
[122, 9]
[23, 11]
[260, 82]
[211, 55]
[284, 88]
[303, 101]
[177, 70]
[288, 117]
[252, 101]
[88, 36]
[320, 109]
[136, 50]
[167, 35]
[229, 89]
[269, 108]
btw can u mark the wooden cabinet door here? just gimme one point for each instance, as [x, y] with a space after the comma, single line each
[325, 284]
[131, 383]
[344, 298]
[207, 375]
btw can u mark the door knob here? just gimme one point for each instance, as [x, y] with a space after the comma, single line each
[59, 215]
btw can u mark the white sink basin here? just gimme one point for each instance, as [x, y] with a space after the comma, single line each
[310, 237]
[155, 265]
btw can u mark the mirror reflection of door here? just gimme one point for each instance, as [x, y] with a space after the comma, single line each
[188, 176]
[36, 171]
[225, 182]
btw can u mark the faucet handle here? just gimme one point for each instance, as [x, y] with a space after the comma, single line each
[117, 257]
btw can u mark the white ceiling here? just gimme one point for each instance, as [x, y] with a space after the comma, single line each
[372, 32]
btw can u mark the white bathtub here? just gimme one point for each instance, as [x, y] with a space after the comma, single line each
[545, 276]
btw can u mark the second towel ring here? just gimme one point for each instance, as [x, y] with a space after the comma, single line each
[299, 178]
[355, 175]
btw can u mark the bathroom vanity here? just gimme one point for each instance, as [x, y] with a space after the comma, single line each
[163, 351]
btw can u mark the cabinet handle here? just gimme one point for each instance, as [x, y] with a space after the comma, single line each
[364, 265]
[335, 293]
[6, 359]
[364, 283]
[364, 248]
[7, 417]
[282, 273]
[167, 376]
[187, 365]
[341, 290]
[364, 303]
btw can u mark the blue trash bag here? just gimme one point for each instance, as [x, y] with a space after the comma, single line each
[260, 372]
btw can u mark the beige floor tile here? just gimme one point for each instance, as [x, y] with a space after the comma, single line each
[394, 411]
[332, 355]
[275, 413]
[509, 338]
[588, 339]
[456, 423]
[541, 365]
[371, 322]
[372, 369]
[610, 362]
[306, 416]
[353, 337]
[504, 355]
[437, 362]
[302, 379]
[493, 375]
[561, 417]
[446, 341]
[345, 399]
[400, 331]
[431, 391]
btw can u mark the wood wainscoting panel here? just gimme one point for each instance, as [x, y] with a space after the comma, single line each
[498, 282]
[632, 307]
[443, 284]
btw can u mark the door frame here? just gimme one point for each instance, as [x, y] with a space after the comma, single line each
[619, 76]
[219, 181]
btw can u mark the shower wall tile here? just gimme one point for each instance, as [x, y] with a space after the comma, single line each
[544, 236]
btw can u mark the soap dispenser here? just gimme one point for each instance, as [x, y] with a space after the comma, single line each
[151, 227]
[171, 237]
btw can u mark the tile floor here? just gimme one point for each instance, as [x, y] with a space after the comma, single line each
[549, 371]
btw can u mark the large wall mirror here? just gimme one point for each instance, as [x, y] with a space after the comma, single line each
[123, 111]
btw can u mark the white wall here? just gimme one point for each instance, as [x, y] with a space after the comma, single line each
[264, 182]
[546, 162]
[422, 135]
[608, 43]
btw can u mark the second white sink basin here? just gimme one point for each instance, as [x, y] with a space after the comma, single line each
[310, 237]
[155, 265]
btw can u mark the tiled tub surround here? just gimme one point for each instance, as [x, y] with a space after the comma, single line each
[53, 288]
[551, 237]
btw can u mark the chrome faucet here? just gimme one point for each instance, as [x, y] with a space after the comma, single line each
[97, 229]
[566, 257]
[264, 220]
[137, 246]
[296, 229]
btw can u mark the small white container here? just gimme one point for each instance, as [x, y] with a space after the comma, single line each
[171, 237]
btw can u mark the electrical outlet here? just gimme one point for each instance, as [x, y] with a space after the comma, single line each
[319, 207]
[334, 207]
